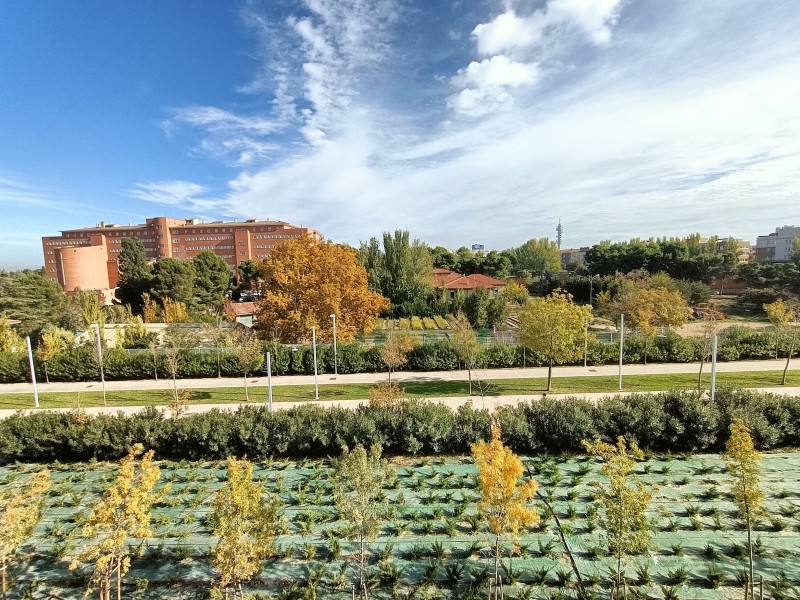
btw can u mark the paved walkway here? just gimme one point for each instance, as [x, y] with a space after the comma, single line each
[326, 379]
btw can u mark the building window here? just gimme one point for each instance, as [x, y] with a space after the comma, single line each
[241, 253]
[241, 243]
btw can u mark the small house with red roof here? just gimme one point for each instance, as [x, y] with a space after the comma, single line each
[453, 282]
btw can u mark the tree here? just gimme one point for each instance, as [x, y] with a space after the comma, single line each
[744, 465]
[174, 311]
[122, 513]
[305, 281]
[20, 508]
[709, 320]
[465, 343]
[134, 274]
[219, 334]
[88, 303]
[246, 524]
[33, 298]
[177, 340]
[539, 256]
[54, 341]
[786, 316]
[624, 500]
[516, 293]
[10, 340]
[503, 499]
[249, 354]
[394, 351]
[651, 308]
[553, 326]
[174, 279]
[149, 309]
[359, 478]
[385, 394]
[212, 277]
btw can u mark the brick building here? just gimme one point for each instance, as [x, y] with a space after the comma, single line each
[87, 258]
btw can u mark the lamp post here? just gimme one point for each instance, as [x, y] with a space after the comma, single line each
[621, 346]
[713, 367]
[335, 366]
[314, 344]
[269, 382]
[33, 372]
[585, 343]
[100, 359]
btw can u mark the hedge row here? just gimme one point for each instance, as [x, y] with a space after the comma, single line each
[78, 364]
[666, 422]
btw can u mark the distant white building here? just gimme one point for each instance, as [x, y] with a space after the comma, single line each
[776, 247]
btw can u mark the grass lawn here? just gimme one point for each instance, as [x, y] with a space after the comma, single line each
[421, 389]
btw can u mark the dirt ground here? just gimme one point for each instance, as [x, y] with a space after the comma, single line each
[694, 328]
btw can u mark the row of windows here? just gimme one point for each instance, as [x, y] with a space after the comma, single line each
[276, 235]
[221, 230]
[143, 240]
[65, 243]
[212, 238]
[198, 248]
[267, 246]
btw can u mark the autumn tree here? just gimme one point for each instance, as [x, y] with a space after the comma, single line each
[20, 508]
[385, 394]
[624, 500]
[88, 303]
[150, 309]
[10, 340]
[394, 351]
[249, 354]
[553, 326]
[503, 502]
[218, 333]
[359, 478]
[650, 308]
[305, 281]
[178, 340]
[246, 524]
[54, 341]
[174, 311]
[123, 513]
[465, 343]
[744, 465]
[785, 316]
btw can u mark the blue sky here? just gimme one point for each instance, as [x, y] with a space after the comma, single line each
[465, 122]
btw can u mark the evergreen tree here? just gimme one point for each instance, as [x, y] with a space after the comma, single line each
[134, 274]
[212, 277]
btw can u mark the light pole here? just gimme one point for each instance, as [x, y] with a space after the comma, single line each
[591, 282]
[269, 382]
[621, 346]
[713, 367]
[314, 343]
[100, 359]
[335, 366]
[33, 372]
[585, 342]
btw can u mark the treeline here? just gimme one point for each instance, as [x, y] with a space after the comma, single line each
[672, 421]
[80, 364]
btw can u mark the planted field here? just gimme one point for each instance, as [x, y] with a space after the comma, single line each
[434, 544]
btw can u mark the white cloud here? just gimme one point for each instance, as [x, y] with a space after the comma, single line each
[185, 194]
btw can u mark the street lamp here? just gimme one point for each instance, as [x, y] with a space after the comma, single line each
[585, 342]
[621, 346]
[33, 372]
[713, 367]
[335, 366]
[314, 344]
[100, 359]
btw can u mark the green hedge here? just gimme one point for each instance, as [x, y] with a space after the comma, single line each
[736, 343]
[673, 421]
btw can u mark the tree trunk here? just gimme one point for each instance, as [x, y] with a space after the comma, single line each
[564, 542]
[700, 375]
[219, 366]
[496, 564]
[789, 356]
[646, 341]
[119, 579]
[469, 373]
[246, 393]
[361, 565]
[3, 568]
[46, 376]
[390, 375]
[550, 375]
[750, 550]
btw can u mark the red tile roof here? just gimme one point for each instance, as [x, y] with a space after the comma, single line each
[455, 281]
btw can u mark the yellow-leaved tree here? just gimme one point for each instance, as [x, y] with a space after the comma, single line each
[554, 326]
[123, 513]
[246, 524]
[624, 500]
[786, 317]
[19, 512]
[10, 340]
[394, 351]
[504, 500]
[249, 354]
[465, 343]
[54, 341]
[744, 465]
[306, 281]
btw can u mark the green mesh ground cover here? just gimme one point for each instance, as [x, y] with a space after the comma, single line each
[430, 542]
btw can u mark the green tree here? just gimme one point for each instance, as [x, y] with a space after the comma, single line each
[624, 500]
[20, 508]
[121, 515]
[212, 278]
[32, 298]
[174, 279]
[539, 256]
[246, 524]
[553, 326]
[359, 478]
[134, 274]
[744, 465]
[178, 340]
[10, 340]
[88, 303]
[476, 307]
[503, 502]
[249, 354]
[465, 343]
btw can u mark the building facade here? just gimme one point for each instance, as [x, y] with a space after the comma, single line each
[776, 247]
[87, 258]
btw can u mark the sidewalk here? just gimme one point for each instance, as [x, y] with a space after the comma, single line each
[329, 378]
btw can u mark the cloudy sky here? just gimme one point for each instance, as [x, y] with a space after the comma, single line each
[474, 121]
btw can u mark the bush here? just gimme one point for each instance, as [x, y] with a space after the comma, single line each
[439, 356]
[13, 367]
